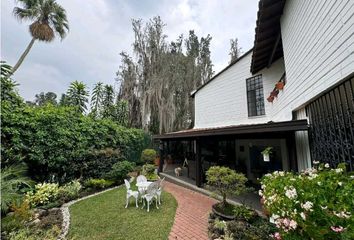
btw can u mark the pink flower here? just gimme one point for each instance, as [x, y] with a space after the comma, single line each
[277, 236]
[337, 229]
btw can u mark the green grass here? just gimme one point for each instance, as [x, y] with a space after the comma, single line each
[104, 217]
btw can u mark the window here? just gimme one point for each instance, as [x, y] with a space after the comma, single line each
[255, 96]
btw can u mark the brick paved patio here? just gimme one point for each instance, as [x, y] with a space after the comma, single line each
[191, 220]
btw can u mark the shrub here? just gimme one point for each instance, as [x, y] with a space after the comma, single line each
[120, 171]
[315, 204]
[43, 193]
[28, 233]
[148, 156]
[12, 178]
[148, 170]
[243, 213]
[226, 181]
[98, 183]
[61, 143]
[70, 190]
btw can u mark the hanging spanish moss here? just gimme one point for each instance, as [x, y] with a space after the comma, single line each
[157, 81]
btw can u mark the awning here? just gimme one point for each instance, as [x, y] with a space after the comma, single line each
[271, 127]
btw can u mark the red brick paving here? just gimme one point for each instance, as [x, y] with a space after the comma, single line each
[191, 220]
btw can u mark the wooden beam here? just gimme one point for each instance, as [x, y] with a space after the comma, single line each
[162, 157]
[198, 163]
[274, 49]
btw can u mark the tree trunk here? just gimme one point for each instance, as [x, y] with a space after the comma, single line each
[19, 62]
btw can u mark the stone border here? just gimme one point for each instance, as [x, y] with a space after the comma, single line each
[66, 213]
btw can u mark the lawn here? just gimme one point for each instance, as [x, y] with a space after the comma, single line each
[104, 217]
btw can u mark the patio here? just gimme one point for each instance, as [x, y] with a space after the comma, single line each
[252, 200]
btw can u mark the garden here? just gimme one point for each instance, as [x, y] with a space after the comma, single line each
[316, 204]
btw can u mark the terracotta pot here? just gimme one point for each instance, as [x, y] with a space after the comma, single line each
[274, 93]
[279, 85]
[270, 98]
[157, 161]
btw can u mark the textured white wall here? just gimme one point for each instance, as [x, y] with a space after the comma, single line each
[223, 101]
[318, 43]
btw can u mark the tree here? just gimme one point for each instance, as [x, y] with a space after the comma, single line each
[108, 102]
[9, 92]
[235, 51]
[122, 113]
[49, 19]
[64, 101]
[158, 81]
[45, 98]
[78, 95]
[96, 99]
[226, 181]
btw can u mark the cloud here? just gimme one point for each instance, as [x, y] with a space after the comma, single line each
[101, 29]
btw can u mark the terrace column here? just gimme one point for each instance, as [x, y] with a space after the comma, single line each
[162, 156]
[198, 163]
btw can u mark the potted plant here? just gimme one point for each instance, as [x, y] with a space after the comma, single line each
[279, 85]
[226, 182]
[274, 93]
[270, 99]
[266, 153]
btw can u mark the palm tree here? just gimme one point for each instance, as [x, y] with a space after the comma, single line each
[108, 102]
[12, 178]
[49, 19]
[96, 99]
[78, 95]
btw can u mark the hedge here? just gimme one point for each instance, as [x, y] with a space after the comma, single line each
[57, 143]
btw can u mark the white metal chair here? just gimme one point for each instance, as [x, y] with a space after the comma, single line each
[150, 195]
[159, 190]
[131, 193]
[139, 179]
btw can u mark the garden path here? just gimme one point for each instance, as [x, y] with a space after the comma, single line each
[191, 220]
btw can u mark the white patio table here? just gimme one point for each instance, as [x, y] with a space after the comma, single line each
[144, 185]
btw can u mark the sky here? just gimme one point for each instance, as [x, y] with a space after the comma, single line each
[101, 29]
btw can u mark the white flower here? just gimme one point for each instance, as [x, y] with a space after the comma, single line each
[339, 170]
[273, 218]
[260, 193]
[291, 193]
[340, 183]
[293, 224]
[303, 216]
[316, 162]
[326, 165]
[307, 206]
[319, 183]
[342, 214]
[323, 208]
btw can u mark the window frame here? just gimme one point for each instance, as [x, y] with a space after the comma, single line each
[255, 102]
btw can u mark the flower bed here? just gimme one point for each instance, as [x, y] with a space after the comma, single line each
[247, 225]
[315, 204]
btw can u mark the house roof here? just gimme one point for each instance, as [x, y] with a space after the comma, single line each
[271, 127]
[267, 42]
[223, 70]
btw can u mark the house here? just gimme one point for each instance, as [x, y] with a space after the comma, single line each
[308, 48]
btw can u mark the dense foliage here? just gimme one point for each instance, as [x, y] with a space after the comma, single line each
[12, 179]
[148, 156]
[316, 204]
[60, 144]
[120, 171]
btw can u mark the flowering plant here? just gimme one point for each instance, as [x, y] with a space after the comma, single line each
[315, 204]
